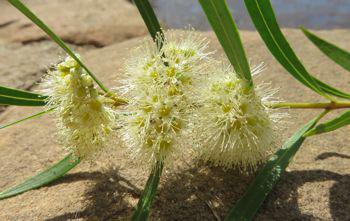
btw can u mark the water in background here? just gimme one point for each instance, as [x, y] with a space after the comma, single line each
[315, 14]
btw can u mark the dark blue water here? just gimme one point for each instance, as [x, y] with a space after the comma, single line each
[315, 14]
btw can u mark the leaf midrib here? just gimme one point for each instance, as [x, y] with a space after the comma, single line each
[22, 98]
[227, 37]
[284, 55]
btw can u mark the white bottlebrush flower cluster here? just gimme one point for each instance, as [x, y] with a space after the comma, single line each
[159, 85]
[84, 119]
[235, 128]
[180, 95]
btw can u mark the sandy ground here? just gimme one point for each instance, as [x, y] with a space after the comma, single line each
[315, 186]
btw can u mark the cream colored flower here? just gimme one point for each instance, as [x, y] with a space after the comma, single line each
[159, 83]
[234, 126]
[84, 119]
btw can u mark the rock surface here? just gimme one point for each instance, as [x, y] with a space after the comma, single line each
[26, 51]
[21, 66]
[315, 187]
[79, 22]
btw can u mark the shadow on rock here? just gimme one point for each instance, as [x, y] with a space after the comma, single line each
[326, 155]
[199, 193]
[282, 203]
[107, 196]
[207, 193]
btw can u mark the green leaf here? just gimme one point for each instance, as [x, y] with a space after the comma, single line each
[11, 96]
[27, 118]
[144, 205]
[150, 19]
[20, 93]
[246, 208]
[27, 12]
[9, 100]
[263, 17]
[226, 31]
[338, 55]
[330, 90]
[331, 125]
[43, 178]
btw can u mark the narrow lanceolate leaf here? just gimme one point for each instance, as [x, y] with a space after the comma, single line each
[150, 19]
[11, 96]
[338, 55]
[145, 202]
[27, 118]
[331, 90]
[336, 123]
[43, 178]
[9, 100]
[224, 26]
[20, 93]
[264, 19]
[27, 12]
[246, 208]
